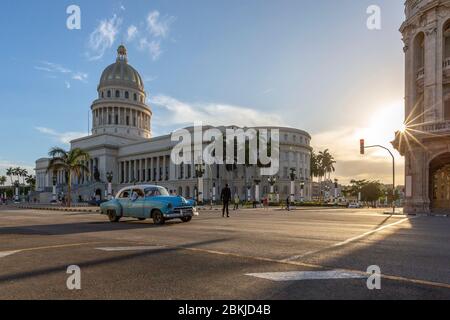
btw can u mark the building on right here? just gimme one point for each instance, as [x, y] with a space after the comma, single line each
[425, 141]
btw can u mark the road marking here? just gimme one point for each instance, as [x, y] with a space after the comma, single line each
[139, 248]
[308, 275]
[315, 266]
[342, 243]
[7, 253]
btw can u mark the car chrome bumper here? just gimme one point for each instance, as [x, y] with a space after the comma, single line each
[181, 213]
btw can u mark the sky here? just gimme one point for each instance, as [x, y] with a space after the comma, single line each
[308, 64]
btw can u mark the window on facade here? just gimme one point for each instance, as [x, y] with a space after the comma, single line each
[103, 94]
[117, 94]
[127, 120]
[447, 109]
[109, 119]
[116, 119]
[134, 122]
[127, 95]
[135, 97]
[109, 94]
[286, 137]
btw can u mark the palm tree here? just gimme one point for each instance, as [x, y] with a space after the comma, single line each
[30, 180]
[2, 180]
[10, 173]
[327, 163]
[71, 162]
[314, 166]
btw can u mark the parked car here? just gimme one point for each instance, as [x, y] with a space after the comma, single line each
[354, 205]
[148, 202]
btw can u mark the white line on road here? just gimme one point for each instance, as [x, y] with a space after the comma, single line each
[7, 253]
[139, 248]
[342, 243]
[308, 275]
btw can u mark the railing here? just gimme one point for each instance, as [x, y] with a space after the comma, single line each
[436, 127]
[446, 63]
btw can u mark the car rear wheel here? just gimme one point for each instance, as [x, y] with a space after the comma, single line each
[113, 216]
[158, 218]
[186, 219]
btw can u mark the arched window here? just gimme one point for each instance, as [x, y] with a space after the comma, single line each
[117, 94]
[188, 192]
[127, 95]
[109, 94]
[135, 97]
[103, 94]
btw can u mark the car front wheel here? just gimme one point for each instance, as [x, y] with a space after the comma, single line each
[158, 218]
[113, 216]
[186, 219]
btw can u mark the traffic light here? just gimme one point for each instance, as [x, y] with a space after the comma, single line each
[361, 146]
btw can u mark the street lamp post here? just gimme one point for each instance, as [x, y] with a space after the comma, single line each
[302, 190]
[16, 196]
[336, 186]
[199, 172]
[363, 147]
[272, 181]
[54, 188]
[109, 177]
[257, 182]
[293, 176]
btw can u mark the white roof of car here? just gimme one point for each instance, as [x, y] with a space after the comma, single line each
[140, 186]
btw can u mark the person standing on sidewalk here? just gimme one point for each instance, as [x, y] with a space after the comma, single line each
[226, 198]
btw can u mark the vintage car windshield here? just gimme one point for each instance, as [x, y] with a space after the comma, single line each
[155, 192]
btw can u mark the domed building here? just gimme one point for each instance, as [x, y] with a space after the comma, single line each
[122, 147]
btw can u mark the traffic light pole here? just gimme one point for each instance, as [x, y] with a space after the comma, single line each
[393, 173]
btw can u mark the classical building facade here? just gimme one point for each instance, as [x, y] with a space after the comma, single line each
[426, 140]
[122, 144]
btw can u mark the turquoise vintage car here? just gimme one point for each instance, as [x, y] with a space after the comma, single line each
[148, 202]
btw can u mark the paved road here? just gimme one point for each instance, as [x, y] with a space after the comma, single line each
[218, 258]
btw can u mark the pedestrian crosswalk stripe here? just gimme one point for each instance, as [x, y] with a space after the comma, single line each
[308, 275]
[138, 248]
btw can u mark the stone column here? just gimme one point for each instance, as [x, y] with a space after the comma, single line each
[430, 72]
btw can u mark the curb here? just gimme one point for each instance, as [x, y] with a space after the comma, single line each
[429, 215]
[60, 209]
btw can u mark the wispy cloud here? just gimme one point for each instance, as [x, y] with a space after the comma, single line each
[152, 47]
[53, 69]
[80, 76]
[103, 37]
[157, 25]
[63, 137]
[132, 32]
[151, 37]
[217, 114]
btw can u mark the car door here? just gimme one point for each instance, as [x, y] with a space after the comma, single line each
[136, 205]
[124, 200]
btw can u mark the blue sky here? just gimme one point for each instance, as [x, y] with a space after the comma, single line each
[313, 65]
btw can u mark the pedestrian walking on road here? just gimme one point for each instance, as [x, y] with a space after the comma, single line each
[236, 202]
[266, 203]
[226, 198]
[288, 203]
